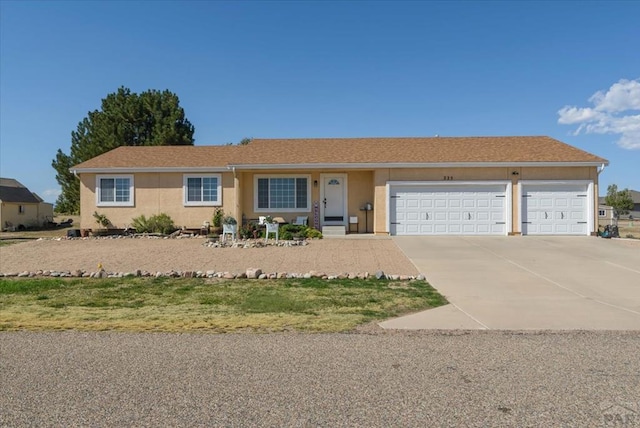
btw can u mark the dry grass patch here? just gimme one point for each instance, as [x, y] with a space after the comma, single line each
[172, 305]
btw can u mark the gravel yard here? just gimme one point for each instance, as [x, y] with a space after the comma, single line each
[477, 379]
[331, 256]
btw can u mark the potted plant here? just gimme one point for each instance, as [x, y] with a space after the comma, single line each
[216, 221]
[229, 225]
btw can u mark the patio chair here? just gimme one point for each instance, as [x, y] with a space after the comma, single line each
[301, 220]
[229, 229]
[271, 228]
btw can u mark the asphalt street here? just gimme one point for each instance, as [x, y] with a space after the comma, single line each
[370, 379]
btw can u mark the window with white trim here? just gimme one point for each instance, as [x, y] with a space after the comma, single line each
[602, 213]
[114, 190]
[20, 209]
[202, 189]
[284, 193]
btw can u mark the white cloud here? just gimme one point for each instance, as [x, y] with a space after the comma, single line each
[54, 193]
[611, 114]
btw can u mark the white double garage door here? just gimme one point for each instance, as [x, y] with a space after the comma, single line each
[473, 208]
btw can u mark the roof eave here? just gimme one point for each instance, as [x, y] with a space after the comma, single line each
[351, 165]
[130, 170]
[415, 165]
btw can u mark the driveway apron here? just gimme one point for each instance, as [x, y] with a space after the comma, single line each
[527, 283]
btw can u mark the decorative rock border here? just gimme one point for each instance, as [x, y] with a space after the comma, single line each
[251, 273]
[254, 243]
[209, 242]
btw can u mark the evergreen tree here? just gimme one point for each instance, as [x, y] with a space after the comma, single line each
[152, 118]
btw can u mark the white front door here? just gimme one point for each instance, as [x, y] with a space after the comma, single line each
[333, 199]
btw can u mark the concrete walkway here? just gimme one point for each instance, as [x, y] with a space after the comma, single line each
[527, 283]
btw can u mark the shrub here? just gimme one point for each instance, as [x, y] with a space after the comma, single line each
[250, 231]
[218, 214]
[160, 223]
[101, 219]
[290, 231]
[313, 233]
[141, 224]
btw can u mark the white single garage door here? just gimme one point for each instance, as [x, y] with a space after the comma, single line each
[555, 209]
[448, 209]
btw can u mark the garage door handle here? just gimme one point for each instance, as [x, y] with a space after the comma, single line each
[427, 216]
[562, 216]
[468, 216]
[546, 216]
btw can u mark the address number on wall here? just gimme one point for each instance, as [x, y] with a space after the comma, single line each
[448, 177]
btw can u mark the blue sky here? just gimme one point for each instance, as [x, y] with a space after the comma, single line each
[570, 70]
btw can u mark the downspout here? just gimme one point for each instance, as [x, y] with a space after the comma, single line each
[236, 191]
[597, 204]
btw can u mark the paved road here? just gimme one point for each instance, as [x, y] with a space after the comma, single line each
[475, 379]
[558, 283]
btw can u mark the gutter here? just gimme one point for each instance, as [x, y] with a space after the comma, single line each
[601, 168]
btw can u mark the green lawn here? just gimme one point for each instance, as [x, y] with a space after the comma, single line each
[168, 304]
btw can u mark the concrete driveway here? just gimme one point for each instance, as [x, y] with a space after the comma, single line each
[524, 283]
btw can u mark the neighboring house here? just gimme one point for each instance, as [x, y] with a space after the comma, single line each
[20, 208]
[605, 212]
[413, 186]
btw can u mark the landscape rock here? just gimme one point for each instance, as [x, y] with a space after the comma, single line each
[253, 273]
[380, 275]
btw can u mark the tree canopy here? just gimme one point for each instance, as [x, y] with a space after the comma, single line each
[151, 118]
[620, 201]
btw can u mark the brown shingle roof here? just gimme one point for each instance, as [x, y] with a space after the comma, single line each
[347, 151]
[162, 157]
[416, 150]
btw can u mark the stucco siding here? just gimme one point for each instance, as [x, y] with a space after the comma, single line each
[359, 191]
[154, 193]
[10, 215]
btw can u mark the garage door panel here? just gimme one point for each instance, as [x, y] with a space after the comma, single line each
[453, 228]
[578, 215]
[461, 210]
[468, 203]
[440, 216]
[497, 216]
[468, 229]
[483, 216]
[412, 216]
[554, 209]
